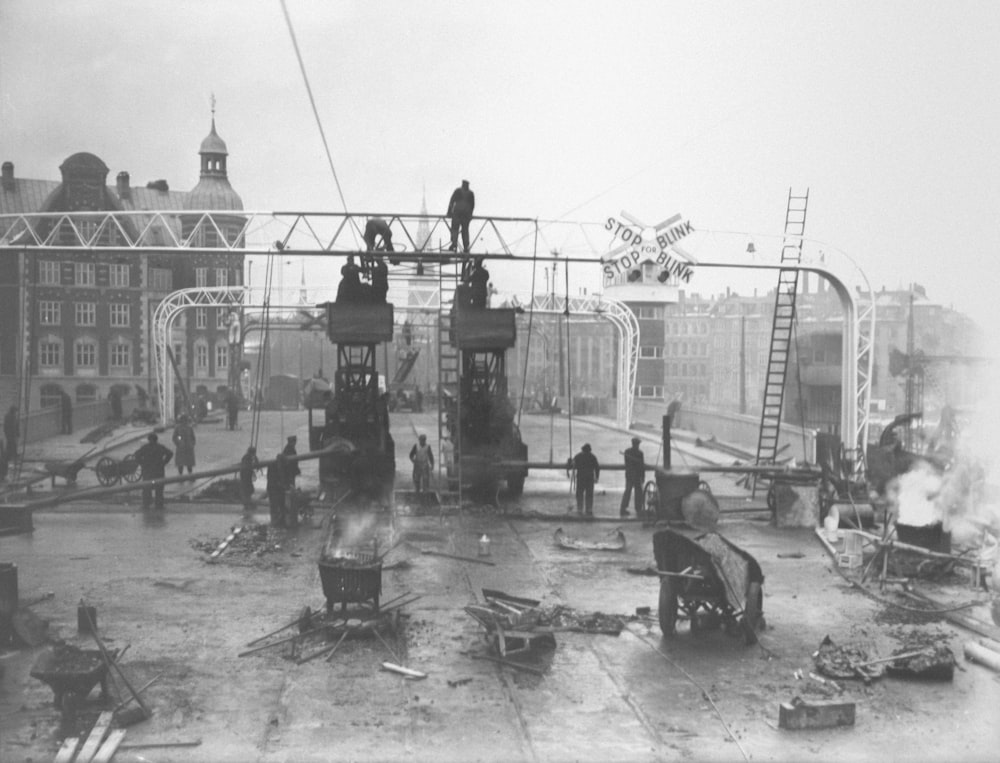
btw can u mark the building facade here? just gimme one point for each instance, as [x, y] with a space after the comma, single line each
[84, 316]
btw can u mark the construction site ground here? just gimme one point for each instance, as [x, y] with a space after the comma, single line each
[634, 696]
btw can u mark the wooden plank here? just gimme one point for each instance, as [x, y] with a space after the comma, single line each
[815, 715]
[68, 750]
[97, 733]
[107, 751]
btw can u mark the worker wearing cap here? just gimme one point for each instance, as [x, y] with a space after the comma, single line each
[152, 457]
[635, 476]
[588, 471]
[422, 457]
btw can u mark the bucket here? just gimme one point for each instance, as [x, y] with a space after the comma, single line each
[83, 624]
[673, 488]
[8, 600]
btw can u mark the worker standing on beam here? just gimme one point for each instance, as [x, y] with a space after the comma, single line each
[460, 209]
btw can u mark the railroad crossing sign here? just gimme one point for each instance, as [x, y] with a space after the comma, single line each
[649, 242]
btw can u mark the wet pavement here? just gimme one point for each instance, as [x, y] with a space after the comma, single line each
[635, 696]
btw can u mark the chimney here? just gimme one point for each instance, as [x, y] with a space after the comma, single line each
[122, 183]
[8, 176]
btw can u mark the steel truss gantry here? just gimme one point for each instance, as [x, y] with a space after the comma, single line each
[306, 234]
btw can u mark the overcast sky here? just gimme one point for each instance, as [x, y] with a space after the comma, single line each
[886, 111]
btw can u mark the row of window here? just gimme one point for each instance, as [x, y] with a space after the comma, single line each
[85, 274]
[687, 328]
[50, 354]
[84, 313]
[119, 315]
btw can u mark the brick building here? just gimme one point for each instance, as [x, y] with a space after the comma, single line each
[83, 316]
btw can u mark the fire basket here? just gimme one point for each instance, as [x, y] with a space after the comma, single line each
[352, 577]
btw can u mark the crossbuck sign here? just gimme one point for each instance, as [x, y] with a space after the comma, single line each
[649, 242]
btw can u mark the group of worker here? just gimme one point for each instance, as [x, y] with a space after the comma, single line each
[585, 469]
[378, 238]
[280, 485]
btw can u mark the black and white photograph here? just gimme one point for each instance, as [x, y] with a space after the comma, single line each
[514, 381]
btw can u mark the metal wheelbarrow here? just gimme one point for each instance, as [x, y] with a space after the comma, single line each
[72, 673]
[709, 579]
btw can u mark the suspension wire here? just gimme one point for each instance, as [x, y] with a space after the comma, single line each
[531, 318]
[569, 366]
[312, 103]
[263, 356]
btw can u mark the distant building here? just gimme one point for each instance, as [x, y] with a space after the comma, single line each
[85, 316]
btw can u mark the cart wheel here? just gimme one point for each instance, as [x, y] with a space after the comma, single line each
[772, 501]
[752, 613]
[130, 469]
[668, 606]
[650, 500]
[69, 702]
[107, 471]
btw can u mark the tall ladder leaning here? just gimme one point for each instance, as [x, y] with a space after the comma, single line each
[449, 370]
[781, 333]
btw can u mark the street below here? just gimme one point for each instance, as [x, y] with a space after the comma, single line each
[591, 697]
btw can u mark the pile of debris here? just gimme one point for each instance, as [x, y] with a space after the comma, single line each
[250, 540]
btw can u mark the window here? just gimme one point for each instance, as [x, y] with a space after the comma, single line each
[200, 318]
[51, 395]
[48, 272]
[161, 279]
[221, 277]
[85, 274]
[119, 312]
[118, 275]
[650, 313]
[86, 314]
[179, 353]
[221, 356]
[201, 357]
[50, 353]
[50, 313]
[120, 354]
[654, 392]
[221, 318]
[650, 352]
[201, 277]
[86, 393]
[85, 354]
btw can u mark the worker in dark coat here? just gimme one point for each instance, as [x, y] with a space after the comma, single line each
[635, 477]
[380, 281]
[277, 485]
[232, 409]
[349, 289]
[66, 409]
[292, 467]
[460, 209]
[479, 279]
[152, 458]
[248, 466]
[588, 471]
[377, 227]
[184, 441]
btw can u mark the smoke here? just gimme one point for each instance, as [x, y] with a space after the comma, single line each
[915, 495]
[348, 534]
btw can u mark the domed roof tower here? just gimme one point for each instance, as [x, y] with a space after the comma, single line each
[213, 190]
